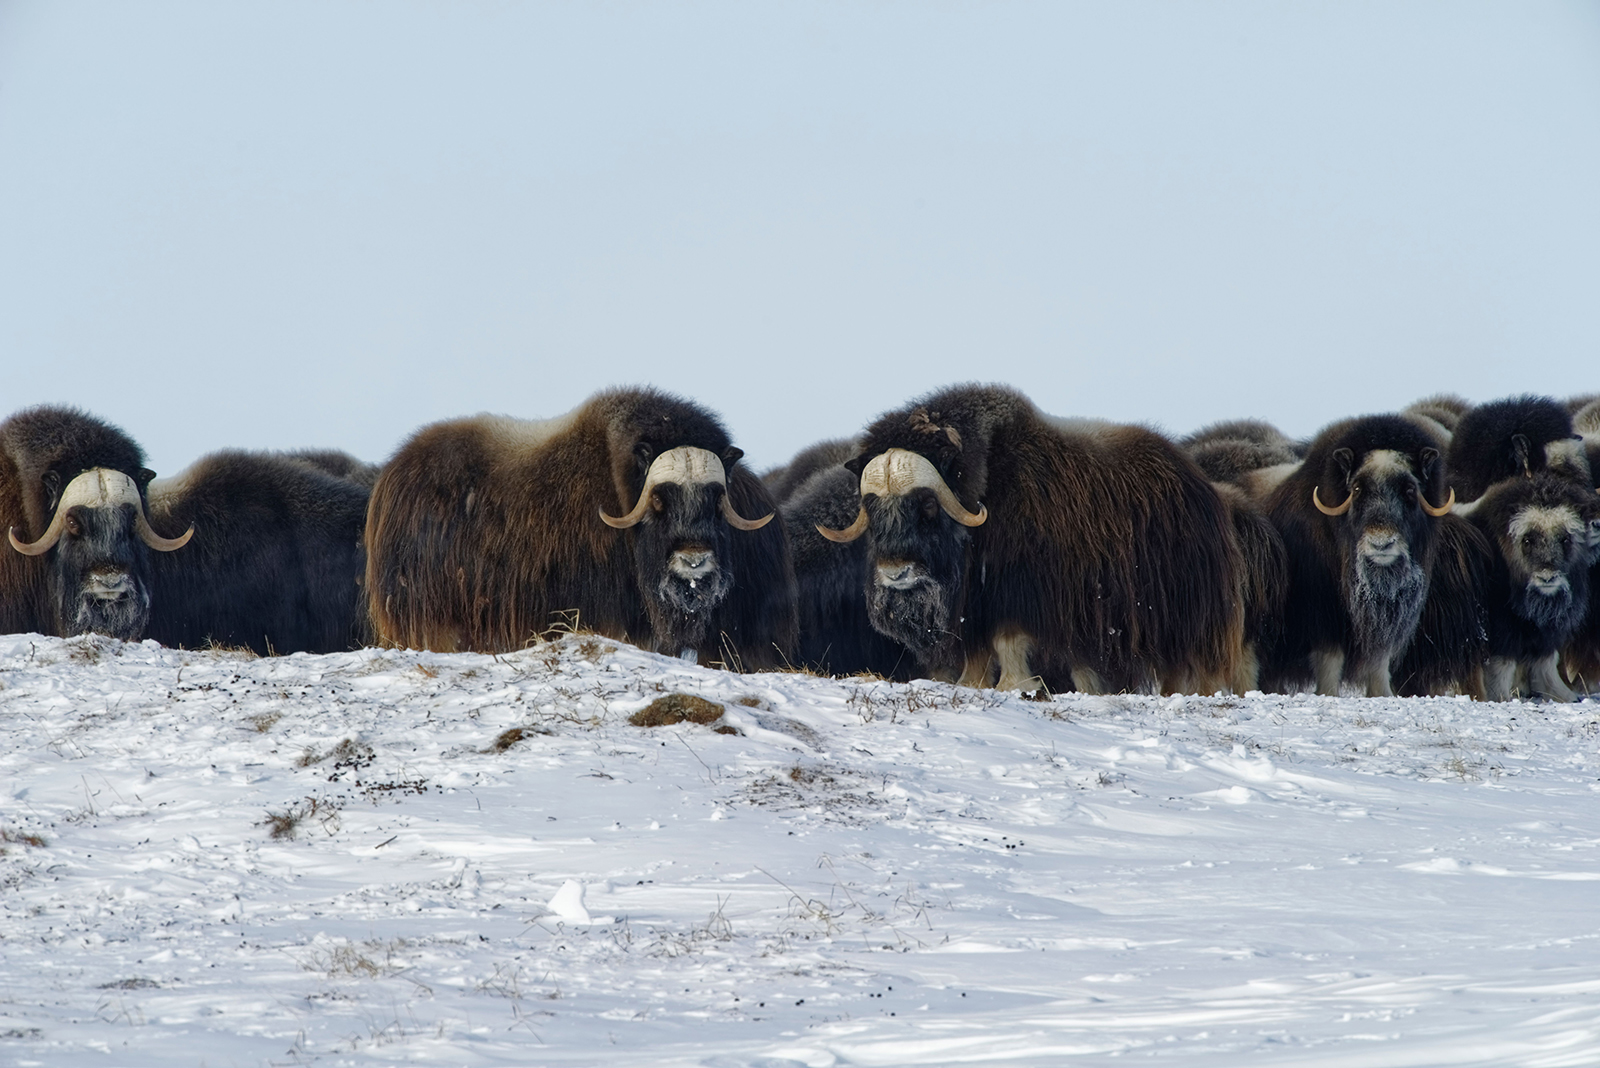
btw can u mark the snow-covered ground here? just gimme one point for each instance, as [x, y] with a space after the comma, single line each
[859, 873]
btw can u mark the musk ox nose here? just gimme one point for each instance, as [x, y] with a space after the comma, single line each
[1548, 582]
[1382, 547]
[693, 564]
[897, 575]
[108, 586]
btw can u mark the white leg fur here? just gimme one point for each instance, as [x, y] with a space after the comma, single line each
[1543, 677]
[1012, 648]
[1378, 680]
[1328, 666]
[1499, 677]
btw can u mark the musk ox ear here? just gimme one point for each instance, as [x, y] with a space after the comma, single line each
[1343, 459]
[1519, 453]
[855, 464]
[644, 452]
[1429, 458]
[52, 489]
[731, 455]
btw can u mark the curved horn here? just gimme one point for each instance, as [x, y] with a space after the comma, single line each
[849, 533]
[1443, 509]
[1325, 510]
[685, 465]
[44, 544]
[156, 541]
[739, 522]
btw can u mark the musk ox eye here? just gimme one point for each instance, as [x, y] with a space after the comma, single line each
[930, 509]
[74, 528]
[656, 503]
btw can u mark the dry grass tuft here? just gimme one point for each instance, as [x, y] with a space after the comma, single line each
[24, 838]
[508, 738]
[282, 826]
[263, 722]
[678, 708]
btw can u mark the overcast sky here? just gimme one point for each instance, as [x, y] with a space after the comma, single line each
[326, 224]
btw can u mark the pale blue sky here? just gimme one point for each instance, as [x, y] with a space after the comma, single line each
[287, 225]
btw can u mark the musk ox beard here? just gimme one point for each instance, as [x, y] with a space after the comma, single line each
[1359, 561]
[72, 500]
[1068, 554]
[626, 516]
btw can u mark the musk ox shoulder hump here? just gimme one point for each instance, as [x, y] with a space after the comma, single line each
[520, 435]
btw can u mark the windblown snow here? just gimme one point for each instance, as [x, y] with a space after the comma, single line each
[387, 857]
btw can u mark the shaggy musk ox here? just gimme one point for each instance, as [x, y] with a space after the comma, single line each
[1360, 532]
[276, 560]
[1539, 593]
[1076, 554]
[72, 497]
[626, 516]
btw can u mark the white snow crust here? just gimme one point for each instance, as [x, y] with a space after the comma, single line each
[866, 873]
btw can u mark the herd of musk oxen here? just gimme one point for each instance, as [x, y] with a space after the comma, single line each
[967, 536]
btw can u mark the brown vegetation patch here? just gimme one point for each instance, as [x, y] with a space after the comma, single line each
[678, 708]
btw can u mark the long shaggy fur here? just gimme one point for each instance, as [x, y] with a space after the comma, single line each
[1451, 644]
[484, 532]
[276, 560]
[783, 481]
[1105, 546]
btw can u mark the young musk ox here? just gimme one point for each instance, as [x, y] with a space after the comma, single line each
[625, 516]
[276, 561]
[1511, 437]
[1360, 532]
[1072, 553]
[836, 635]
[783, 481]
[1539, 591]
[72, 497]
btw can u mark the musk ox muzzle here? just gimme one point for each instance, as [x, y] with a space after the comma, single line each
[685, 466]
[896, 472]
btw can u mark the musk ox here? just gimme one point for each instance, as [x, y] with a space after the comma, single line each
[1539, 590]
[628, 515]
[276, 560]
[1515, 436]
[1440, 413]
[1068, 553]
[1360, 530]
[72, 497]
[836, 635]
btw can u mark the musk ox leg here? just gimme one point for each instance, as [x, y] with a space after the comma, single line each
[1499, 678]
[978, 671]
[1012, 648]
[1378, 678]
[1544, 677]
[1247, 674]
[1088, 680]
[1328, 667]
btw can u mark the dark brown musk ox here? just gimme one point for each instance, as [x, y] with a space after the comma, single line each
[815, 490]
[72, 497]
[277, 558]
[1538, 595]
[1511, 437]
[626, 517]
[1066, 553]
[1361, 534]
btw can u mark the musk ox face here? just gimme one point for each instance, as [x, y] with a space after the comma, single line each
[915, 562]
[1541, 526]
[96, 544]
[917, 552]
[681, 554]
[1383, 535]
[680, 548]
[101, 574]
